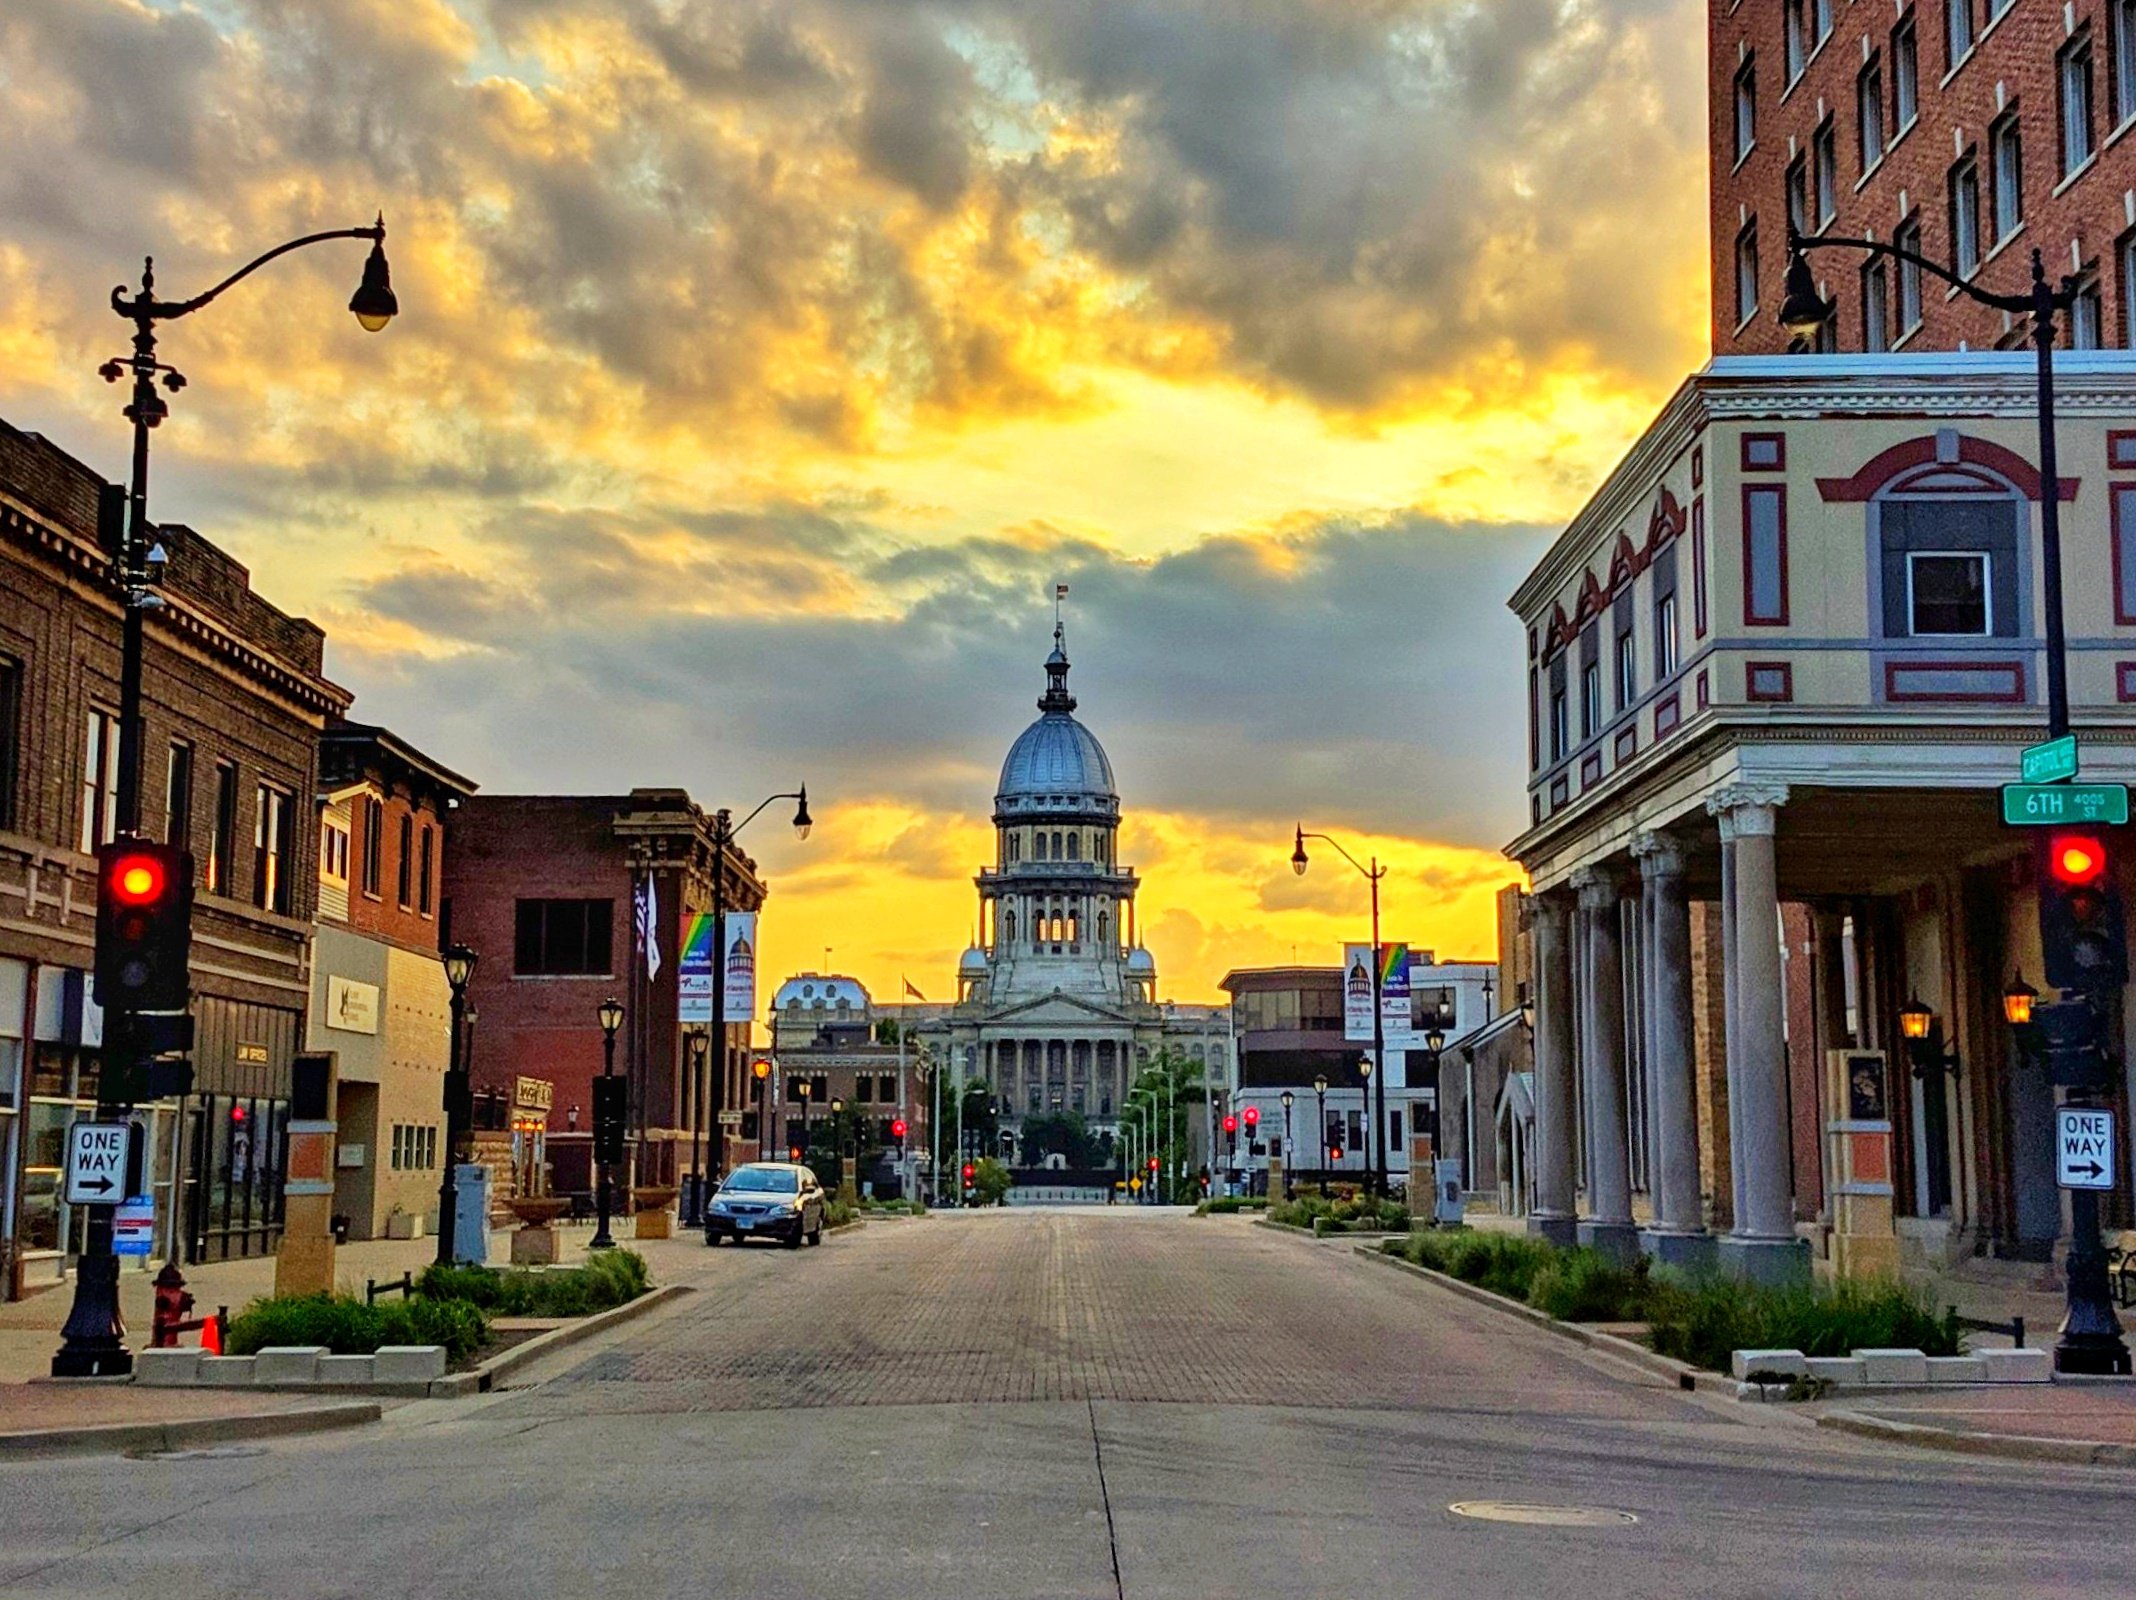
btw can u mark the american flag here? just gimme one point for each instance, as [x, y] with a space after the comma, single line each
[648, 915]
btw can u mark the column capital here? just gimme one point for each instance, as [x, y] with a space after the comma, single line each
[1598, 887]
[1548, 907]
[1746, 808]
[1658, 855]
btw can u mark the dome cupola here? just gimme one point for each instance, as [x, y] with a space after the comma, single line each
[1056, 767]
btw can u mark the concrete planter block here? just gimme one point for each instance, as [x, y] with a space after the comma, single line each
[2017, 1366]
[1957, 1369]
[288, 1363]
[1893, 1366]
[1780, 1363]
[1836, 1369]
[168, 1369]
[224, 1371]
[345, 1369]
[408, 1363]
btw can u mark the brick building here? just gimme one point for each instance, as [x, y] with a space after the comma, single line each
[1972, 131]
[235, 701]
[542, 886]
[379, 997]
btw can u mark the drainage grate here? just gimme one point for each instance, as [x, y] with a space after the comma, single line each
[1543, 1516]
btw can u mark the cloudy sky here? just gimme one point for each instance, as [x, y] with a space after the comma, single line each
[763, 363]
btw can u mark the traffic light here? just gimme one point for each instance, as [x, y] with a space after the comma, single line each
[1231, 1123]
[1153, 1163]
[970, 1172]
[1253, 1119]
[2069, 1035]
[610, 1098]
[144, 925]
[897, 1132]
[2082, 936]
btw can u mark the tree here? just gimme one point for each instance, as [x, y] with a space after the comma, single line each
[1162, 1098]
[992, 1182]
[1065, 1134]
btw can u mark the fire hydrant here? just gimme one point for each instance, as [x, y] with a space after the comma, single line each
[173, 1302]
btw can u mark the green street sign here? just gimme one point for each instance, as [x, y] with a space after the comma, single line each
[2052, 762]
[2043, 805]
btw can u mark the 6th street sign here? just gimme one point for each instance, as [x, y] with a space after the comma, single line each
[96, 1163]
[2046, 805]
[2083, 1147]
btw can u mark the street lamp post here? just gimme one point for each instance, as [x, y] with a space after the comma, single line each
[838, 1135]
[1375, 1115]
[610, 1012]
[700, 1049]
[1320, 1159]
[2091, 1342]
[1364, 1073]
[94, 1338]
[801, 1087]
[762, 1069]
[459, 1099]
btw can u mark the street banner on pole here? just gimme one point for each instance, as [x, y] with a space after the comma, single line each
[740, 966]
[1357, 993]
[693, 969]
[1396, 1023]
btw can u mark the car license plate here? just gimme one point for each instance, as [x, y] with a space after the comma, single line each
[744, 1224]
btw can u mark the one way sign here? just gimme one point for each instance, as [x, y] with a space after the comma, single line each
[96, 1163]
[2084, 1147]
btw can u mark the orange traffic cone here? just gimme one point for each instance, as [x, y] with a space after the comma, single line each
[211, 1336]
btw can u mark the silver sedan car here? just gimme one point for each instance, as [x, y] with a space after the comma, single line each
[767, 1200]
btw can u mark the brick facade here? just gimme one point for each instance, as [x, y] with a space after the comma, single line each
[2083, 222]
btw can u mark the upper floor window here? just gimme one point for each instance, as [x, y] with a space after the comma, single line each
[272, 844]
[1905, 75]
[1949, 565]
[1795, 33]
[1869, 104]
[1560, 729]
[1876, 304]
[563, 938]
[222, 839]
[1627, 669]
[10, 736]
[2128, 289]
[1824, 157]
[1665, 646]
[333, 851]
[2074, 73]
[1798, 193]
[100, 780]
[1965, 217]
[426, 866]
[405, 882]
[1746, 267]
[178, 795]
[1907, 236]
[1957, 30]
[1590, 699]
[2087, 316]
[1746, 106]
[2007, 173]
[373, 811]
[1765, 554]
[1947, 593]
[2123, 15]
[1821, 13]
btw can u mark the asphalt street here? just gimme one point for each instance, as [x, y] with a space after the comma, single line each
[1067, 1403]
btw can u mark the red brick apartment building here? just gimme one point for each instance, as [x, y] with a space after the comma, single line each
[1971, 131]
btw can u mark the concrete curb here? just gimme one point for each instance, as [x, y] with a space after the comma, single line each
[2008, 1446]
[192, 1433]
[1682, 1373]
[483, 1378]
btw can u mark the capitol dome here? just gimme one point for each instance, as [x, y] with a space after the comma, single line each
[1056, 764]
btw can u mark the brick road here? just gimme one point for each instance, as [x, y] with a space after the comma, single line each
[1020, 1305]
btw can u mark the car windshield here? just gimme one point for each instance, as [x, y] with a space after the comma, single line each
[762, 1180]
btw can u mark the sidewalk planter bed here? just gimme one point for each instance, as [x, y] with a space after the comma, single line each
[343, 1325]
[1348, 1214]
[1226, 1205]
[606, 1278]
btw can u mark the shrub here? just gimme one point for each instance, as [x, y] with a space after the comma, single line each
[348, 1327]
[838, 1211]
[606, 1278]
[1225, 1205]
[1502, 1263]
[1705, 1322]
[1586, 1286]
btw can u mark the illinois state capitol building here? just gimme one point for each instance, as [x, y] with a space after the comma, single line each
[1057, 1004]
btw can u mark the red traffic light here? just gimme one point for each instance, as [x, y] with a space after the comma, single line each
[897, 1128]
[793, 1152]
[1253, 1115]
[1334, 1152]
[1153, 1163]
[237, 1113]
[1231, 1123]
[970, 1172]
[139, 879]
[2076, 858]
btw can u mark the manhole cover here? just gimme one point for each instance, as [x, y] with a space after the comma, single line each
[220, 1452]
[1543, 1516]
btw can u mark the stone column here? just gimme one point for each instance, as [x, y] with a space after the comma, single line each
[1608, 1224]
[1678, 1236]
[1763, 1245]
[1553, 1217]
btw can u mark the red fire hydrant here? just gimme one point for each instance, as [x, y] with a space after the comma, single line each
[173, 1301]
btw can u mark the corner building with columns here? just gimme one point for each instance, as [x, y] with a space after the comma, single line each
[1057, 1006]
[1777, 670]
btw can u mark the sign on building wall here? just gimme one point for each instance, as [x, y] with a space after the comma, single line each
[694, 970]
[351, 1006]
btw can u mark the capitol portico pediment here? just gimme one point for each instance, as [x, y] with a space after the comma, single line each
[1055, 1010]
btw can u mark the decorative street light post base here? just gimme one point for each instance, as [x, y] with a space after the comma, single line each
[95, 1334]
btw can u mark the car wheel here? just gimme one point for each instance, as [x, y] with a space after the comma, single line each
[793, 1240]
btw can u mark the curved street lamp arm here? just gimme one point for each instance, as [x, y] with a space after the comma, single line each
[144, 307]
[767, 800]
[2000, 302]
[1373, 872]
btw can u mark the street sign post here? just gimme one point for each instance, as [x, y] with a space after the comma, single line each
[2046, 805]
[96, 1163]
[2084, 1147]
[2052, 762]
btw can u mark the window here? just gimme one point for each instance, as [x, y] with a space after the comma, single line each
[100, 781]
[271, 841]
[2121, 523]
[1764, 555]
[1747, 273]
[2123, 13]
[1947, 593]
[1627, 669]
[2007, 176]
[1907, 236]
[1075, 847]
[10, 741]
[1795, 31]
[1876, 304]
[1905, 76]
[1957, 30]
[1798, 194]
[2075, 76]
[1665, 661]
[333, 851]
[2086, 316]
[373, 811]
[1869, 104]
[2128, 290]
[1824, 157]
[1965, 217]
[222, 843]
[1560, 732]
[178, 796]
[426, 866]
[1822, 11]
[405, 867]
[863, 1089]
[1590, 699]
[1746, 107]
[1698, 567]
[563, 938]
